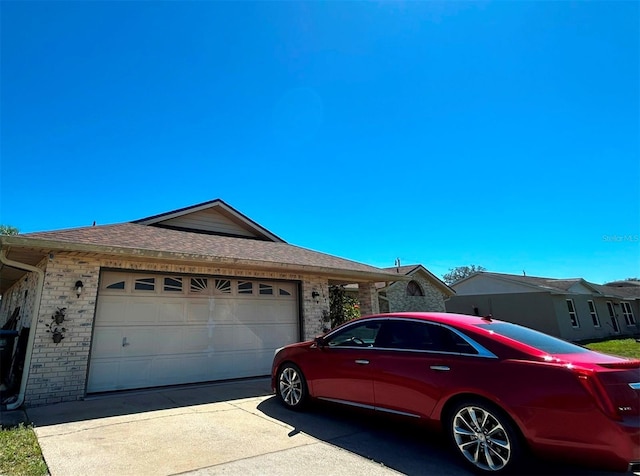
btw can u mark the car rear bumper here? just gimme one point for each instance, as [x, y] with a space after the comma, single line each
[613, 445]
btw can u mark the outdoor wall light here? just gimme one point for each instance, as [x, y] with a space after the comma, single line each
[79, 287]
[316, 296]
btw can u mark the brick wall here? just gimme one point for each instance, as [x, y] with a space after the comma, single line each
[58, 372]
[432, 301]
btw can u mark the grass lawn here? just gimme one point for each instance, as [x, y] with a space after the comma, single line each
[621, 347]
[20, 453]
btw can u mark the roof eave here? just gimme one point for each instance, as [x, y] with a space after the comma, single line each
[17, 241]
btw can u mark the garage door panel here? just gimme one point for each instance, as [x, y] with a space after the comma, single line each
[134, 373]
[198, 311]
[248, 312]
[224, 310]
[170, 371]
[140, 341]
[196, 339]
[272, 336]
[170, 312]
[142, 311]
[107, 343]
[174, 338]
[103, 375]
[169, 340]
[112, 311]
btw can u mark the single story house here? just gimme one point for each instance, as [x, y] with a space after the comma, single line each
[198, 294]
[572, 309]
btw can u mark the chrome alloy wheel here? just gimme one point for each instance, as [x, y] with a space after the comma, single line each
[481, 438]
[291, 386]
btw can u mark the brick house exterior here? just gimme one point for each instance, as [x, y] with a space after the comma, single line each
[40, 271]
[424, 292]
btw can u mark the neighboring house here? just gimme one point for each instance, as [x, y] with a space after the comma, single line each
[572, 309]
[418, 290]
[197, 294]
[424, 291]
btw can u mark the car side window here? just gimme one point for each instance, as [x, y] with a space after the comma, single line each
[415, 335]
[358, 335]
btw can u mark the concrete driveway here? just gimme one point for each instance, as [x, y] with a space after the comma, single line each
[235, 428]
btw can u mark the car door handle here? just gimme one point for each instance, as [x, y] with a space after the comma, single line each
[362, 362]
[440, 368]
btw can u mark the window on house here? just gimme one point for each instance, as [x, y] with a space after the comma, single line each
[594, 314]
[627, 312]
[116, 285]
[245, 287]
[414, 289]
[145, 284]
[612, 316]
[283, 292]
[223, 286]
[199, 285]
[173, 285]
[573, 315]
[266, 289]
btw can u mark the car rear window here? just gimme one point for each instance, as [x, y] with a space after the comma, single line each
[539, 340]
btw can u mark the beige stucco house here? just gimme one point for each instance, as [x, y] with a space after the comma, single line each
[198, 294]
[572, 309]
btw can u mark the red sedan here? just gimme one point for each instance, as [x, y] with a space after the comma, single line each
[497, 389]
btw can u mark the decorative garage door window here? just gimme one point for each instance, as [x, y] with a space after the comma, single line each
[118, 283]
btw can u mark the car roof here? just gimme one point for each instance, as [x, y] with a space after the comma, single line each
[459, 320]
[462, 322]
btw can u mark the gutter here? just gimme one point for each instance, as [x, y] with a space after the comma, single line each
[34, 322]
[357, 275]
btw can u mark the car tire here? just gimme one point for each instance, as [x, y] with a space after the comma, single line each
[485, 437]
[291, 386]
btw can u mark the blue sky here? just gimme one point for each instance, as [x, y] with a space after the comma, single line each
[500, 134]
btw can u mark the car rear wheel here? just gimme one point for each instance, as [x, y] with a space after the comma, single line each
[485, 437]
[292, 387]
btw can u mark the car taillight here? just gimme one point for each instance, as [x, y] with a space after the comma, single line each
[593, 386]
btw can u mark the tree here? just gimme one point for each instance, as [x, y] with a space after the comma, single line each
[461, 272]
[342, 307]
[8, 230]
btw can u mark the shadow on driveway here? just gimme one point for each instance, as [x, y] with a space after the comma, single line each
[401, 445]
[140, 401]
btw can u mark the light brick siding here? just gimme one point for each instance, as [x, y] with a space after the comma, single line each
[16, 297]
[432, 301]
[58, 372]
[368, 299]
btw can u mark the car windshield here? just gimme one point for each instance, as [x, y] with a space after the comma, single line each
[539, 340]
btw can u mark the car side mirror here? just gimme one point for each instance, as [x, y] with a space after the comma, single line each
[319, 341]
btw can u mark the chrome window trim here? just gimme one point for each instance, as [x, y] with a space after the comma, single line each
[482, 351]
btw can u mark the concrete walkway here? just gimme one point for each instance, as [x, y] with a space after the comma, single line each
[204, 430]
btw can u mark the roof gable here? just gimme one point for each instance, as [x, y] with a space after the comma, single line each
[212, 218]
[413, 269]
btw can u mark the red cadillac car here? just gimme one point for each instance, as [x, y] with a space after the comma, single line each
[498, 390]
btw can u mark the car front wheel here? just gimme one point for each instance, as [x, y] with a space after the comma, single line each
[484, 437]
[292, 387]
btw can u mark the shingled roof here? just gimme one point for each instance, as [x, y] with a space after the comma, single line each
[564, 285]
[150, 242]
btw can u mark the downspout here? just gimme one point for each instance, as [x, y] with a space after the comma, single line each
[32, 328]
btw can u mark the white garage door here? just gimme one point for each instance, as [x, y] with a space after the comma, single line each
[154, 330]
